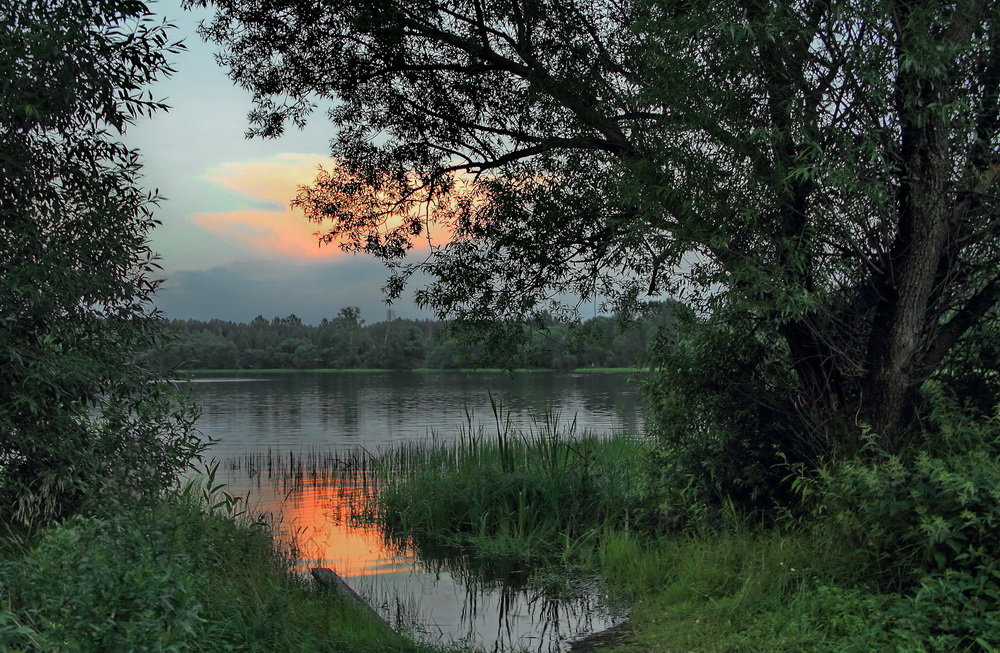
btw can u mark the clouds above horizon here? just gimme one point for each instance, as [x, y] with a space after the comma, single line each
[314, 290]
[231, 247]
[271, 228]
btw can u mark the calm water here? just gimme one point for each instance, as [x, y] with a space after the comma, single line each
[291, 444]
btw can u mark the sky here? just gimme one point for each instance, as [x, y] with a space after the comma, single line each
[230, 246]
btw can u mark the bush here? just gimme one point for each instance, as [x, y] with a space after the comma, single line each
[80, 416]
[928, 524]
[933, 511]
[951, 610]
[109, 584]
[709, 396]
[173, 576]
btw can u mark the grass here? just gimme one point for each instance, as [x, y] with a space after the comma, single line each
[742, 590]
[521, 495]
[547, 497]
[284, 371]
[606, 370]
[489, 370]
[172, 576]
[469, 370]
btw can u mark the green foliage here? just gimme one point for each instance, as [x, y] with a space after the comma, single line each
[80, 416]
[107, 584]
[824, 170]
[934, 510]
[953, 610]
[927, 523]
[713, 399]
[897, 553]
[731, 587]
[172, 576]
[742, 589]
[346, 343]
[527, 495]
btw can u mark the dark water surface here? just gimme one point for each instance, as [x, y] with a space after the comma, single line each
[294, 444]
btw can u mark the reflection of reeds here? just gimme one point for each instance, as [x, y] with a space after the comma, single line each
[494, 617]
[317, 496]
[346, 478]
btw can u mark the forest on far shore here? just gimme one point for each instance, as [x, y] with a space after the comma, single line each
[347, 342]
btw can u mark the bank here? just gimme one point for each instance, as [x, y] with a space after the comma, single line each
[181, 574]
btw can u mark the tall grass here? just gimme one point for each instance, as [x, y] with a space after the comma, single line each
[179, 574]
[523, 493]
[517, 498]
[744, 589]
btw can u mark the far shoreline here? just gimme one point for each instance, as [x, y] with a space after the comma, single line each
[352, 370]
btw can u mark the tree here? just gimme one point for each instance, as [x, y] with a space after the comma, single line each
[821, 172]
[80, 418]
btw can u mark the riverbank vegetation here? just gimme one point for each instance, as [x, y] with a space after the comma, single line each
[882, 552]
[816, 179]
[172, 574]
[346, 342]
[101, 549]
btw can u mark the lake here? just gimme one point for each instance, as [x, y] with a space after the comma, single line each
[295, 444]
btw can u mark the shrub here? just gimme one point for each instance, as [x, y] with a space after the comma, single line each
[710, 396]
[932, 511]
[170, 576]
[79, 414]
[951, 610]
[108, 584]
[928, 524]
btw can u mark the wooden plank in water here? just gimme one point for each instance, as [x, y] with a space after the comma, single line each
[329, 579]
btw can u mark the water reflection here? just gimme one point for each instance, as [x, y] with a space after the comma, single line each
[319, 500]
[315, 499]
[304, 411]
[273, 432]
[448, 609]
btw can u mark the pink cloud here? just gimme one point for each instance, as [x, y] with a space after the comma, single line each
[282, 231]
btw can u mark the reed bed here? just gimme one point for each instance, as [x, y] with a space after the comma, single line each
[525, 492]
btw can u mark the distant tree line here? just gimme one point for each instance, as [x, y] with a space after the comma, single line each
[346, 341]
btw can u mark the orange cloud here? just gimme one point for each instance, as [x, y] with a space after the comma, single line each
[279, 231]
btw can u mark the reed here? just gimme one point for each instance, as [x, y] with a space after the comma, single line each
[529, 491]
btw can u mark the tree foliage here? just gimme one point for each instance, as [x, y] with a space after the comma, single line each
[78, 414]
[346, 342]
[821, 174]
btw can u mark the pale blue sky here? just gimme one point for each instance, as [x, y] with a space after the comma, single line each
[230, 247]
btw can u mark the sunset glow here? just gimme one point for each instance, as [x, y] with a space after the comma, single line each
[315, 511]
[277, 230]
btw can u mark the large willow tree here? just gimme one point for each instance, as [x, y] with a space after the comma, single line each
[81, 419]
[821, 171]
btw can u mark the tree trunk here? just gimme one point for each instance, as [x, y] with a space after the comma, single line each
[900, 330]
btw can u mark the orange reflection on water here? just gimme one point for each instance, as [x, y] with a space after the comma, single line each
[318, 509]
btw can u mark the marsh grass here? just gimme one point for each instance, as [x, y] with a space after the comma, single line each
[743, 589]
[457, 370]
[513, 495]
[285, 370]
[520, 591]
[523, 501]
